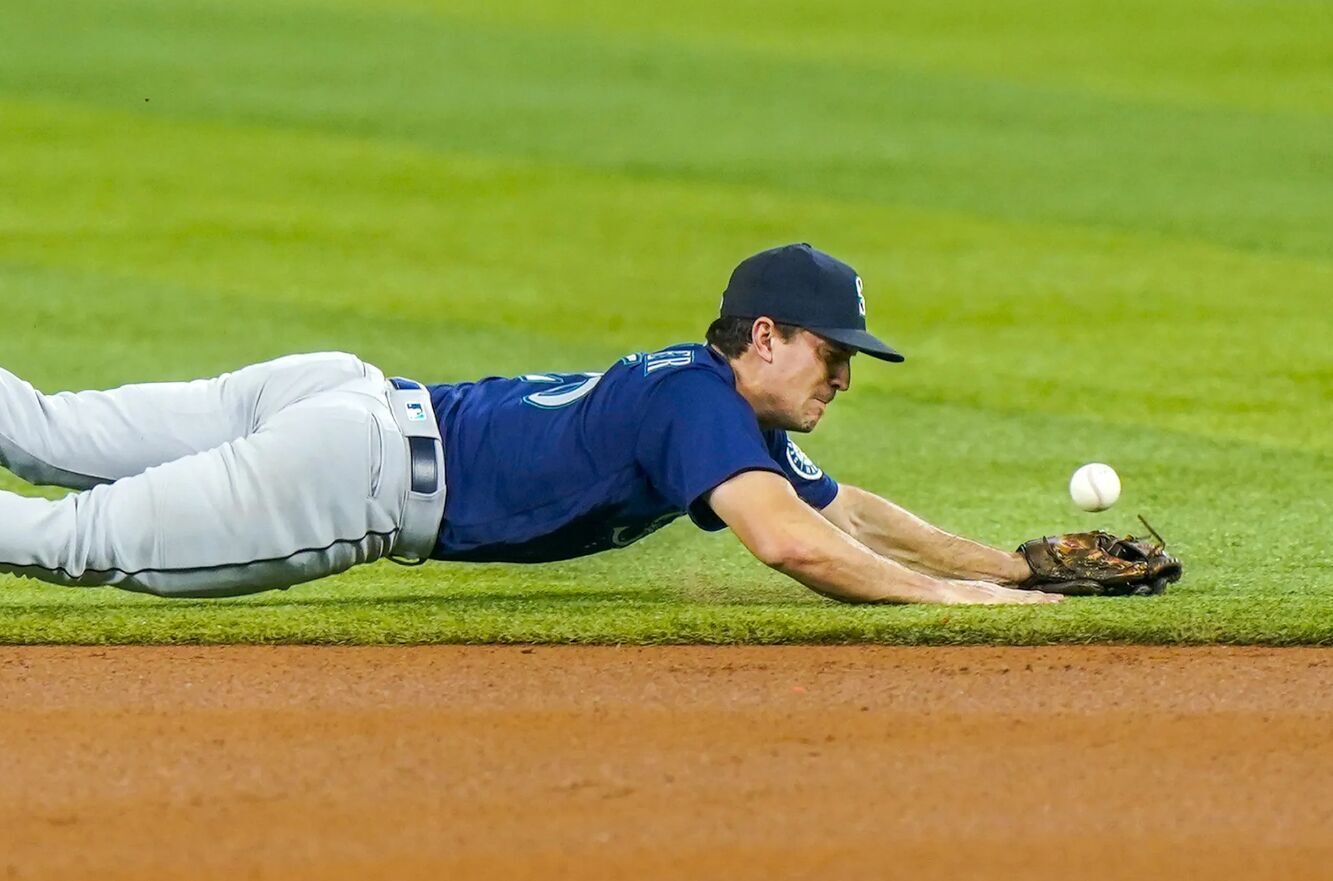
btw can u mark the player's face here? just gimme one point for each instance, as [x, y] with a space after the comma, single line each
[810, 371]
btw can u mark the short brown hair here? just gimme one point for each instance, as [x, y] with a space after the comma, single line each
[731, 336]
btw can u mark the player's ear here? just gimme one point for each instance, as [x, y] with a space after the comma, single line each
[761, 337]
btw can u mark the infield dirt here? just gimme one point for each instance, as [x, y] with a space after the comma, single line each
[682, 762]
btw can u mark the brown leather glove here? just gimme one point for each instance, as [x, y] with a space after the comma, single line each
[1098, 564]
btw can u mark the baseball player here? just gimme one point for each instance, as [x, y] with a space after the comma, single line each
[299, 468]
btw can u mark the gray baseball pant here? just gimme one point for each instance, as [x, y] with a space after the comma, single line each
[270, 476]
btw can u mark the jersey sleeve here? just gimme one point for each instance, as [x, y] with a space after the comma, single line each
[697, 433]
[809, 480]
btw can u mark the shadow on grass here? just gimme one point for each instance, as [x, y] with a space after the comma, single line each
[498, 599]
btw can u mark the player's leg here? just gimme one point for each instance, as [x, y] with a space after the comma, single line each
[316, 489]
[83, 439]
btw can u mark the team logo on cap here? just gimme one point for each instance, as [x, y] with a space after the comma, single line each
[860, 297]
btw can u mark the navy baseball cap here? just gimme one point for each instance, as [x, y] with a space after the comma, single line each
[801, 285]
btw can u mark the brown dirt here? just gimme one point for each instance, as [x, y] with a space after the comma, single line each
[738, 763]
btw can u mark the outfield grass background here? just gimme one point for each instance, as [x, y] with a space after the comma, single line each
[1100, 232]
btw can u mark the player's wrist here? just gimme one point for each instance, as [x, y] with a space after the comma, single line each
[949, 591]
[1015, 569]
[997, 567]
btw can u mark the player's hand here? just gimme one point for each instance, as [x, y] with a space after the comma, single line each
[984, 593]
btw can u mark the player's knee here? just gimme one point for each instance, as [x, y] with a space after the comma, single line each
[37, 462]
[41, 473]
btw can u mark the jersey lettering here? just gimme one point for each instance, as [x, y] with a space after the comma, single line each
[568, 392]
[670, 358]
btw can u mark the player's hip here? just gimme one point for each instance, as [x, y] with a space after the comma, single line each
[353, 414]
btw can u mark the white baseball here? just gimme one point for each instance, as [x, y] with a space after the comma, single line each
[1094, 487]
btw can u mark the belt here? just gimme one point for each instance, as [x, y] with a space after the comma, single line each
[424, 508]
[421, 449]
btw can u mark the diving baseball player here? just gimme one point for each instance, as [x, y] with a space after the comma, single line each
[299, 468]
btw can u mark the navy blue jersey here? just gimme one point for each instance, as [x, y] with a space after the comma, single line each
[550, 466]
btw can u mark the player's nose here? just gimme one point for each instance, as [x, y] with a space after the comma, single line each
[842, 377]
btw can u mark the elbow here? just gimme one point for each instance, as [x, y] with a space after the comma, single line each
[786, 554]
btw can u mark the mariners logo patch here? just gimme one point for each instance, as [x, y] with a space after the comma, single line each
[860, 296]
[416, 413]
[801, 464]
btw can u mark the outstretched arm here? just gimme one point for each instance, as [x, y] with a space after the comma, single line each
[785, 533]
[899, 534]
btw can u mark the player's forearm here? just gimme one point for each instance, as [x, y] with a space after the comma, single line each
[853, 576]
[834, 564]
[781, 530]
[897, 533]
[890, 582]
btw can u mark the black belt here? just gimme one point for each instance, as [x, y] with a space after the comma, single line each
[422, 450]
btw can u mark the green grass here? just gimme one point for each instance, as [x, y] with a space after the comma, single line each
[1099, 232]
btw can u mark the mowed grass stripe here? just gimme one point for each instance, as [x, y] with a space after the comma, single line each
[1271, 57]
[664, 109]
[995, 314]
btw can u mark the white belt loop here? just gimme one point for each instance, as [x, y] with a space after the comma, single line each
[423, 511]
